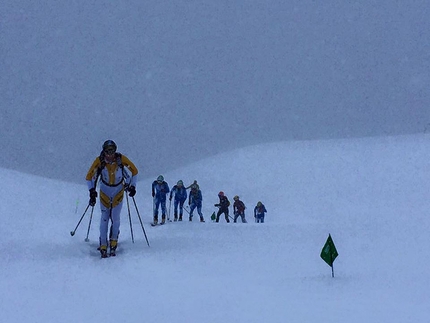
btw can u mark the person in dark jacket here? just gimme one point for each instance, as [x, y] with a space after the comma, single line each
[238, 209]
[223, 205]
[195, 201]
[160, 188]
[180, 197]
[259, 212]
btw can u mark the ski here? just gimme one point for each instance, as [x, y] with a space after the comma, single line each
[107, 254]
[158, 224]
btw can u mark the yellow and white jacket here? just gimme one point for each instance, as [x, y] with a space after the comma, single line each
[113, 178]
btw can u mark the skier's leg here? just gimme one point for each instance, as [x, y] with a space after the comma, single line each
[192, 207]
[163, 211]
[175, 209]
[243, 218]
[236, 215]
[104, 223]
[199, 211]
[181, 208]
[156, 206]
[218, 215]
[116, 221]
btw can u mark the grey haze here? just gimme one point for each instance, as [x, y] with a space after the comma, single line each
[176, 81]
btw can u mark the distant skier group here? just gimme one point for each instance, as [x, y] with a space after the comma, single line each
[110, 166]
[160, 190]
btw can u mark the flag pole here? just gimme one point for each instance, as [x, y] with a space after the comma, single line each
[332, 268]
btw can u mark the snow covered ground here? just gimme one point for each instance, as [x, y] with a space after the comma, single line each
[371, 195]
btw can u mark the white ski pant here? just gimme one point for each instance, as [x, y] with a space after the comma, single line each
[109, 215]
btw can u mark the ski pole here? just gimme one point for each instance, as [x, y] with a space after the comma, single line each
[140, 219]
[89, 224]
[185, 208]
[129, 217]
[72, 233]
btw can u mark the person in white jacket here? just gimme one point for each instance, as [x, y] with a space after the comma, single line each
[117, 174]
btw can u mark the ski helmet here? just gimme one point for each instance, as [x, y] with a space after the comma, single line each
[235, 197]
[160, 178]
[109, 144]
[221, 193]
[259, 203]
[180, 183]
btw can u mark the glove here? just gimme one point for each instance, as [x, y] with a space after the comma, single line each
[93, 196]
[131, 191]
[153, 194]
[217, 205]
[189, 202]
[170, 198]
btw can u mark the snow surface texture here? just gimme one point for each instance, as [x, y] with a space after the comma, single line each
[370, 194]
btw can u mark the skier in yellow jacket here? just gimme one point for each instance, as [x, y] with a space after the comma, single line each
[114, 171]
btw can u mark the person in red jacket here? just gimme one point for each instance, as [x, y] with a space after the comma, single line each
[223, 205]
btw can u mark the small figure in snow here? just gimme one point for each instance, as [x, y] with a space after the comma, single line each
[160, 188]
[112, 168]
[223, 205]
[259, 211]
[195, 201]
[238, 209]
[180, 197]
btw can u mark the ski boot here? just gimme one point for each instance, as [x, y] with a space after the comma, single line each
[113, 246]
[163, 219]
[180, 218]
[202, 219]
[155, 220]
[190, 218]
[103, 251]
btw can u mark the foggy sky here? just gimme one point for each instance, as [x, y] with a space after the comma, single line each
[173, 82]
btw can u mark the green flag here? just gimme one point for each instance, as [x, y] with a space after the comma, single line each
[329, 252]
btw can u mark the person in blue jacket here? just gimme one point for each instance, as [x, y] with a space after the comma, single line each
[180, 197]
[195, 201]
[160, 189]
[259, 212]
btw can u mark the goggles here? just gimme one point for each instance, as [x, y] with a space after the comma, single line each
[109, 151]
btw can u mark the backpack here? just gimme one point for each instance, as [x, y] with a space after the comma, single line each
[240, 206]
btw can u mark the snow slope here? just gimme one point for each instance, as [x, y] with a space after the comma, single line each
[370, 194]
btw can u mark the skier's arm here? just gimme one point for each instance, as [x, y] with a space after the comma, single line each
[92, 173]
